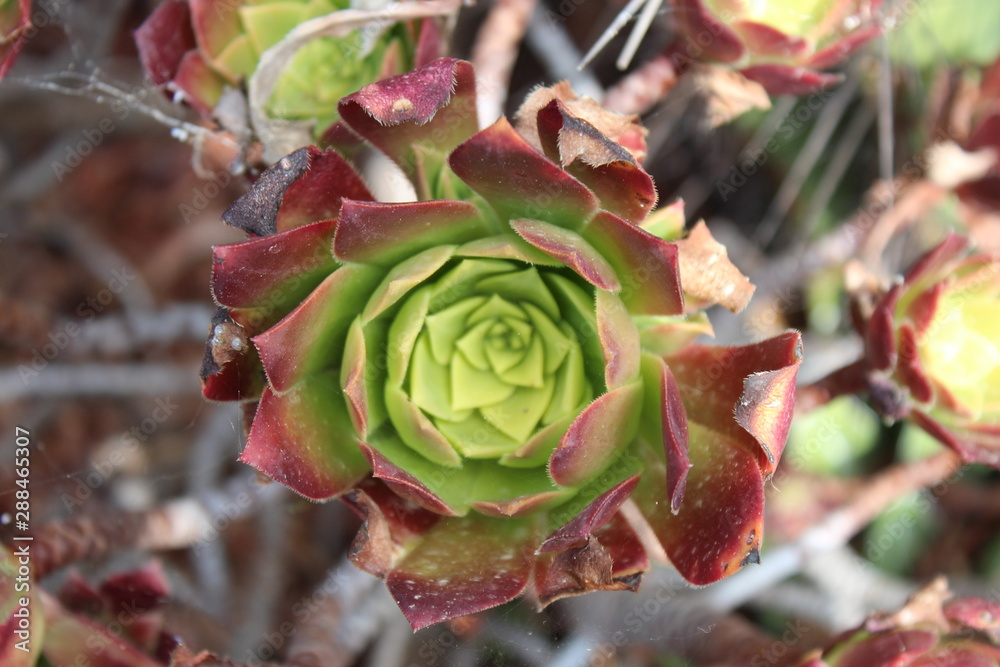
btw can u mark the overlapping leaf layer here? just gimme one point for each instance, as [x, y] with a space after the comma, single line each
[488, 374]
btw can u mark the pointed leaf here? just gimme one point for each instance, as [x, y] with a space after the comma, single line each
[766, 40]
[789, 80]
[362, 378]
[596, 514]
[604, 166]
[580, 323]
[837, 52]
[710, 35]
[965, 444]
[663, 334]
[952, 247]
[387, 233]
[216, 24]
[537, 450]
[506, 246]
[256, 211]
[197, 83]
[666, 423]
[473, 388]
[619, 341]
[270, 270]
[477, 438]
[880, 343]
[571, 249]
[311, 337]
[392, 525]
[718, 527]
[601, 432]
[909, 368]
[647, 266]
[445, 327]
[431, 383]
[666, 222]
[522, 287]
[304, 439]
[460, 282]
[404, 277]
[463, 566]
[434, 106]
[403, 482]
[520, 182]
[523, 505]
[754, 382]
[518, 415]
[73, 640]
[417, 431]
[765, 410]
[163, 39]
[403, 333]
[317, 194]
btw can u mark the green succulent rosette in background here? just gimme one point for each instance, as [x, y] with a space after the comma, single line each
[197, 49]
[488, 374]
[933, 351]
[781, 44]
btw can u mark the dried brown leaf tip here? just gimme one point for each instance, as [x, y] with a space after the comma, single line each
[625, 130]
[707, 274]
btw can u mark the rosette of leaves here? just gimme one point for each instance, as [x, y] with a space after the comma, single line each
[933, 354]
[486, 375]
[118, 623]
[199, 48]
[931, 630]
[781, 44]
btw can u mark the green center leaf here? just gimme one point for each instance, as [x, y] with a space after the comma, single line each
[486, 355]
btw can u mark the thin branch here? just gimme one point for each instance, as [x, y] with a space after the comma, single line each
[496, 51]
[49, 380]
[806, 159]
[93, 88]
[623, 17]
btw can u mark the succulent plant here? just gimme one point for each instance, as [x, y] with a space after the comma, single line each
[933, 354]
[781, 44]
[931, 630]
[198, 48]
[119, 623]
[486, 375]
